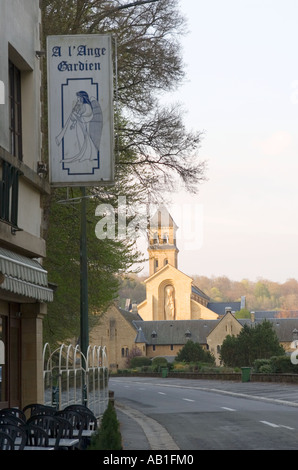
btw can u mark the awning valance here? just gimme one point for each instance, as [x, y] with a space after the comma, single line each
[24, 276]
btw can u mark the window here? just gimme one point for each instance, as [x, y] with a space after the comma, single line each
[15, 110]
[155, 238]
[124, 352]
[9, 194]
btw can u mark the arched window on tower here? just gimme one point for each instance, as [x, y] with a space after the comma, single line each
[155, 238]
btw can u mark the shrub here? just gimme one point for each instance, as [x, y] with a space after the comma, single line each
[159, 362]
[107, 436]
[283, 364]
[265, 369]
[140, 361]
[259, 363]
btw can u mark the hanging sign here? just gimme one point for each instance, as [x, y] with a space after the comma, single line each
[80, 110]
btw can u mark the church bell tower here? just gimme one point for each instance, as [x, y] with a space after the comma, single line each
[162, 247]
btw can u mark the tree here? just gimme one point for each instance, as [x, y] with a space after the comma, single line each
[107, 260]
[243, 313]
[229, 351]
[154, 150]
[193, 352]
[257, 342]
[154, 146]
[108, 435]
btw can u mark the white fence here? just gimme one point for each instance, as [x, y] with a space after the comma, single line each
[67, 382]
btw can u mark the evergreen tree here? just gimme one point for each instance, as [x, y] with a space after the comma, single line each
[193, 352]
[257, 342]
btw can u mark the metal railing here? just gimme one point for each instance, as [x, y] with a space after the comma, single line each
[67, 382]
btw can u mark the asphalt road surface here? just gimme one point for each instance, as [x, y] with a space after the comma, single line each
[215, 415]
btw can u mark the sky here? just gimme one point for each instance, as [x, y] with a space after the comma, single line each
[241, 89]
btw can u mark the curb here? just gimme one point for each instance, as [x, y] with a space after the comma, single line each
[157, 436]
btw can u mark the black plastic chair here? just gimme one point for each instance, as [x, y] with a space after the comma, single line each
[10, 419]
[65, 428]
[36, 436]
[13, 412]
[50, 424]
[77, 420]
[18, 434]
[38, 409]
[6, 442]
[89, 417]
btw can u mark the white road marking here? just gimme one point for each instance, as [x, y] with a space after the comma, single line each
[228, 409]
[187, 399]
[270, 424]
[161, 393]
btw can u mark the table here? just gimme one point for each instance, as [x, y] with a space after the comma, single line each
[64, 442]
[37, 448]
[85, 432]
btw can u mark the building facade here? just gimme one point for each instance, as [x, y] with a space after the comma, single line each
[24, 289]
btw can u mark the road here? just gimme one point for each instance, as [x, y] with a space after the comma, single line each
[212, 415]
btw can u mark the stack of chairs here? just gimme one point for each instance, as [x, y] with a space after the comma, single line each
[37, 423]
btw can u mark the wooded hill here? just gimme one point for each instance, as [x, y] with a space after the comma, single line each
[262, 294]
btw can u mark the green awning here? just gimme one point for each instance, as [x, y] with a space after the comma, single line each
[24, 276]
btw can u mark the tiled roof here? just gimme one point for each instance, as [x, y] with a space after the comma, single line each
[175, 332]
[197, 291]
[130, 316]
[219, 307]
[282, 326]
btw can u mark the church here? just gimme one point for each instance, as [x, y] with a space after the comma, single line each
[170, 294]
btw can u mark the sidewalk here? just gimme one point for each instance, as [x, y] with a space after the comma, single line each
[133, 436]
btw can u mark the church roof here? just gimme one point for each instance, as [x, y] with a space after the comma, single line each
[197, 291]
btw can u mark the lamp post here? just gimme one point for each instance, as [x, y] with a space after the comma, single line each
[84, 337]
